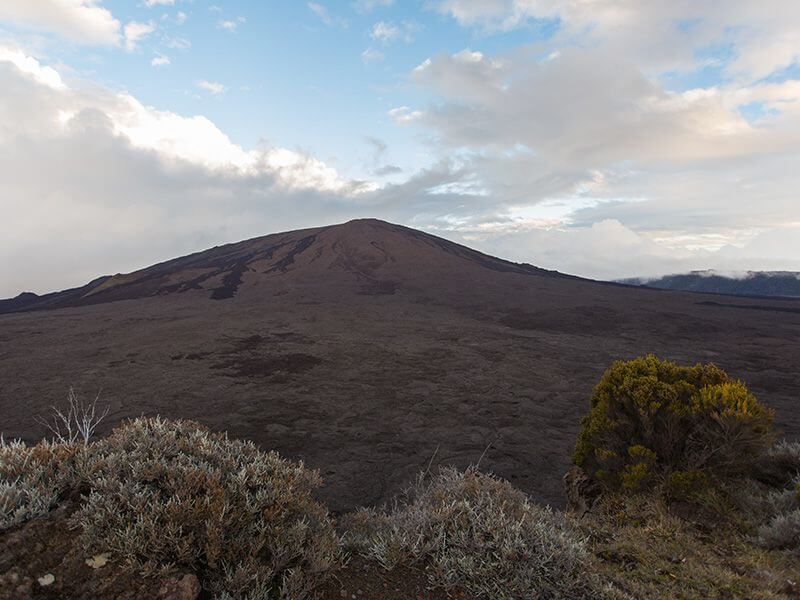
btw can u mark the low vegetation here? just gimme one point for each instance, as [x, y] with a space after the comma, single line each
[775, 498]
[160, 494]
[648, 548]
[653, 421]
[696, 500]
[477, 532]
[34, 478]
[691, 499]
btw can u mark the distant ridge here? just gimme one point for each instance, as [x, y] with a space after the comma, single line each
[784, 284]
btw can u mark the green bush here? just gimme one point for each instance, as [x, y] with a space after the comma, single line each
[480, 533]
[686, 484]
[650, 417]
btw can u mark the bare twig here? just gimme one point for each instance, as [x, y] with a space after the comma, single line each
[430, 462]
[485, 450]
[78, 423]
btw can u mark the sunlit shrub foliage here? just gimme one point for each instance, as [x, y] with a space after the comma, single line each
[650, 418]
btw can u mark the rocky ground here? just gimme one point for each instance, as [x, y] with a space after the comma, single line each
[39, 560]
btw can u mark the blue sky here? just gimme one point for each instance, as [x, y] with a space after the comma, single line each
[316, 80]
[606, 139]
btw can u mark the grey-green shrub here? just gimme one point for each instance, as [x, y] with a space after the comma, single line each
[771, 498]
[477, 531]
[34, 478]
[166, 493]
[782, 532]
[779, 465]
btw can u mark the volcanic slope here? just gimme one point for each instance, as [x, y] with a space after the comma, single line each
[367, 349]
[374, 255]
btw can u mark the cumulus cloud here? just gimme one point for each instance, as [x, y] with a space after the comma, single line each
[211, 86]
[685, 167]
[128, 185]
[403, 115]
[387, 32]
[31, 67]
[230, 24]
[160, 61]
[322, 12]
[608, 250]
[608, 129]
[578, 109]
[151, 3]
[80, 21]
[605, 250]
[387, 170]
[134, 32]
[367, 6]
[665, 34]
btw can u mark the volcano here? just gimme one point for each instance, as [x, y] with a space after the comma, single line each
[371, 350]
[367, 256]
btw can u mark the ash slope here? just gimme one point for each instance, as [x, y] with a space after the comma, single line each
[367, 348]
[375, 254]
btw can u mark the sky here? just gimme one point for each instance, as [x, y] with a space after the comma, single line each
[602, 138]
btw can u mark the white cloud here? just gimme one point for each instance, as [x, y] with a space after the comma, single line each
[321, 12]
[387, 32]
[609, 250]
[231, 25]
[403, 115]
[80, 21]
[605, 250]
[31, 67]
[151, 3]
[178, 43]
[572, 137]
[180, 17]
[193, 139]
[128, 185]
[371, 55]
[664, 34]
[325, 16]
[211, 86]
[134, 32]
[611, 114]
[160, 61]
[366, 6]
